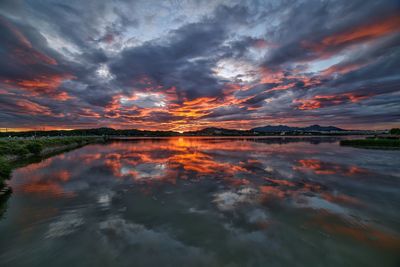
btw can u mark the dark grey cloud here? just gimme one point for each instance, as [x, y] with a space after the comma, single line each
[307, 23]
[185, 59]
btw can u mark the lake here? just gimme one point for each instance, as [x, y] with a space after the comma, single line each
[189, 201]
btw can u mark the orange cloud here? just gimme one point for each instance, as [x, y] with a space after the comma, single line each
[44, 85]
[88, 113]
[29, 107]
[308, 104]
[270, 76]
[365, 32]
[341, 68]
[321, 101]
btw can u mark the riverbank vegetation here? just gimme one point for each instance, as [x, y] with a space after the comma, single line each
[373, 143]
[14, 150]
[395, 131]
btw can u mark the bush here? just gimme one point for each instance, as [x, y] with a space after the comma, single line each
[20, 151]
[34, 148]
[372, 143]
[395, 131]
[21, 148]
[5, 169]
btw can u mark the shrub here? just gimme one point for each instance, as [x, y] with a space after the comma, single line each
[20, 151]
[5, 169]
[395, 131]
[371, 142]
[34, 148]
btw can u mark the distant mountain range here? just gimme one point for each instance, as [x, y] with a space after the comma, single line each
[285, 128]
[218, 131]
[273, 129]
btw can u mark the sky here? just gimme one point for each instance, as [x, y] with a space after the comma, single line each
[185, 65]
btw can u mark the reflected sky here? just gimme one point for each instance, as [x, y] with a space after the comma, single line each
[206, 202]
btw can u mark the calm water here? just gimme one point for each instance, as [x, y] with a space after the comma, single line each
[206, 202]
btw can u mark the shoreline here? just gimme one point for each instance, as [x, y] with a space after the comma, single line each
[18, 153]
[122, 138]
[387, 144]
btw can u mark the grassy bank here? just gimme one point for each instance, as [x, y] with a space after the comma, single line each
[373, 143]
[13, 151]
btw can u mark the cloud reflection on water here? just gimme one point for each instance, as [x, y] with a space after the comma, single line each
[250, 188]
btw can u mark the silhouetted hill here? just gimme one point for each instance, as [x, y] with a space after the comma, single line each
[285, 128]
[210, 131]
[89, 132]
[321, 128]
[275, 128]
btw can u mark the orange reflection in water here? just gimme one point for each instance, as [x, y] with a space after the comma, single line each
[46, 188]
[341, 199]
[38, 180]
[367, 234]
[325, 168]
[277, 189]
[236, 162]
[171, 158]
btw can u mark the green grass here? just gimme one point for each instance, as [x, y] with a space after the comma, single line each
[35, 146]
[372, 143]
[5, 168]
[21, 149]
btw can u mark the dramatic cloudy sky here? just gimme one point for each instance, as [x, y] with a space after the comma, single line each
[183, 65]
